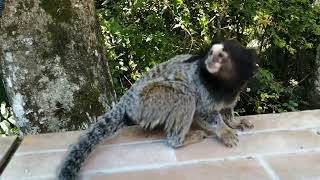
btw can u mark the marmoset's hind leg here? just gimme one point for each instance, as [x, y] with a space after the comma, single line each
[216, 126]
[195, 136]
[180, 134]
[228, 117]
[176, 136]
[192, 137]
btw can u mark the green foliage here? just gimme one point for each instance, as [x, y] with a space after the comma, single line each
[265, 95]
[139, 34]
[292, 25]
[7, 121]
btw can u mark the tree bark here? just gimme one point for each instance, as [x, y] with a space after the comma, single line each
[315, 91]
[52, 63]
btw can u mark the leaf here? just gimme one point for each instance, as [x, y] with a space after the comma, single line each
[279, 41]
[149, 38]
[176, 26]
[264, 96]
[4, 111]
[3, 108]
[5, 126]
[179, 1]
[317, 31]
[292, 103]
[309, 45]
[12, 120]
[124, 68]
[14, 130]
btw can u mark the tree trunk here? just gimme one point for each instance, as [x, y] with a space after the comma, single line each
[315, 92]
[52, 63]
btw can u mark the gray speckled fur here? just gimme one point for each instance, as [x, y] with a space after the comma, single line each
[171, 94]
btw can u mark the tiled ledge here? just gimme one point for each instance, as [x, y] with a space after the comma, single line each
[281, 146]
[7, 148]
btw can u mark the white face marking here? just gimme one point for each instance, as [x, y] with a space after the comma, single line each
[216, 48]
[214, 67]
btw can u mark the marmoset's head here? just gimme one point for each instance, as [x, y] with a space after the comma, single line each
[229, 61]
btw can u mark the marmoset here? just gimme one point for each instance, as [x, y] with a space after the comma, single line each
[184, 90]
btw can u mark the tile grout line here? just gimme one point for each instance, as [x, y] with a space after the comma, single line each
[18, 154]
[100, 146]
[173, 154]
[266, 166]
[278, 129]
[315, 111]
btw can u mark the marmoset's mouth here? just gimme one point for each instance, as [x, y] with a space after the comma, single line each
[213, 67]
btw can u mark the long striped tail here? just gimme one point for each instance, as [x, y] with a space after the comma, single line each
[111, 122]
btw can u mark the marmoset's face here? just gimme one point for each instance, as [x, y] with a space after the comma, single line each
[230, 61]
[219, 63]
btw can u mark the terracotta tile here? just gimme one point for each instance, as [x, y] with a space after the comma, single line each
[44, 164]
[224, 170]
[130, 156]
[132, 148]
[134, 134]
[304, 166]
[275, 142]
[51, 141]
[35, 165]
[5, 144]
[285, 120]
